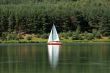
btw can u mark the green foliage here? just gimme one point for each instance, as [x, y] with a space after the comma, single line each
[12, 36]
[38, 36]
[98, 35]
[94, 31]
[66, 35]
[89, 36]
[20, 36]
[4, 36]
[75, 37]
[69, 34]
[28, 37]
[44, 36]
[109, 37]
[37, 16]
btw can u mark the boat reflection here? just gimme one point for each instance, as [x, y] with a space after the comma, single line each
[53, 53]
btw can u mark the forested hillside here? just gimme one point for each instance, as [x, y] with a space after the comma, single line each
[37, 16]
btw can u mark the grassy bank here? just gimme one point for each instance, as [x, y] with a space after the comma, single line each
[35, 40]
[41, 40]
[95, 40]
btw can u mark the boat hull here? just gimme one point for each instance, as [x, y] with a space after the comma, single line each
[54, 43]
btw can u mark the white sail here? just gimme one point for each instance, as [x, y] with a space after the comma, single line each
[50, 36]
[53, 53]
[53, 35]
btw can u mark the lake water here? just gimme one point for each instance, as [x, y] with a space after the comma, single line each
[68, 58]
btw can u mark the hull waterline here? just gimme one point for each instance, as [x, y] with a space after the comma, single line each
[54, 43]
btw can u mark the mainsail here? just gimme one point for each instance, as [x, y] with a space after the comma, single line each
[53, 35]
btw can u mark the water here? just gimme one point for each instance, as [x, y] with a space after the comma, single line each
[68, 58]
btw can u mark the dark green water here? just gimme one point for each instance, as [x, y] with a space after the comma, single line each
[72, 58]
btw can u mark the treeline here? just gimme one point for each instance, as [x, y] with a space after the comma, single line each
[30, 1]
[38, 17]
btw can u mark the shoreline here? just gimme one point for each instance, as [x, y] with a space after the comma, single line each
[63, 41]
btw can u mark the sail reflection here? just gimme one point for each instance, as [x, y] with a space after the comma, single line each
[53, 53]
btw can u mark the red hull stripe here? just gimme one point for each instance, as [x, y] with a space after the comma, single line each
[54, 43]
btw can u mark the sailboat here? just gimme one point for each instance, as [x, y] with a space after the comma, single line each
[53, 37]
